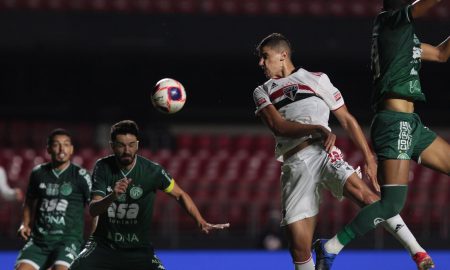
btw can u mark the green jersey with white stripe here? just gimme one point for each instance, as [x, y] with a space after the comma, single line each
[126, 223]
[61, 197]
[396, 56]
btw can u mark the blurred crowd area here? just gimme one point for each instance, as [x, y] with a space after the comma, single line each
[340, 8]
[231, 174]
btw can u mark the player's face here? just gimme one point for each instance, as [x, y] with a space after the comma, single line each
[125, 148]
[271, 61]
[61, 149]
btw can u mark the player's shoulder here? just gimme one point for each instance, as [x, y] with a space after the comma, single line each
[105, 161]
[264, 86]
[147, 163]
[310, 74]
[80, 170]
[41, 168]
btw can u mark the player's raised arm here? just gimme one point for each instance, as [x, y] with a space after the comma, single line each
[188, 204]
[439, 53]
[421, 7]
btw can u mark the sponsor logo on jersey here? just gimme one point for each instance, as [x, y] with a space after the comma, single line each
[65, 189]
[52, 189]
[290, 91]
[136, 192]
[377, 221]
[42, 186]
[260, 101]
[124, 237]
[337, 96]
[273, 85]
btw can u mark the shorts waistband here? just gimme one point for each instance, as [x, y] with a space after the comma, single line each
[300, 147]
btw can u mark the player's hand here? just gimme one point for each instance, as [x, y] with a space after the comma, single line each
[18, 194]
[24, 232]
[121, 187]
[370, 169]
[207, 227]
[329, 138]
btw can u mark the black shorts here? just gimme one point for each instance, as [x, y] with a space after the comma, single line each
[99, 256]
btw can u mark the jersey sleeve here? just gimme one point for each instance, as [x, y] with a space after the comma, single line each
[32, 189]
[99, 180]
[261, 99]
[86, 184]
[330, 94]
[166, 181]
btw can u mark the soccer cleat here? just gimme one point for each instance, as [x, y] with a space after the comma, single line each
[324, 260]
[423, 261]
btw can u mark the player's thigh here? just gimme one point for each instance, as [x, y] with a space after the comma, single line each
[393, 171]
[437, 156]
[25, 266]
[300, 233]
[356, 190]
[65, 253]
[32, 255]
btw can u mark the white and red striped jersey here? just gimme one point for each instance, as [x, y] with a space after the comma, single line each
[304, 97]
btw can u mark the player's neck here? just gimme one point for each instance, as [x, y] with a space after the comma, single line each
[60, 166]
[128, 167]
[288, 69]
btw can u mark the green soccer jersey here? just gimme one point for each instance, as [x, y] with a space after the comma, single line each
[61, 197]
[126, 223]
[395, 57]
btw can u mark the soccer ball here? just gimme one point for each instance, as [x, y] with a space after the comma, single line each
[168, 96]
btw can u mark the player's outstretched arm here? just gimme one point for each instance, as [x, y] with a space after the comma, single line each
[439, 53]
[421, 7]
[188, 204]
[353, 129]
[282, 127]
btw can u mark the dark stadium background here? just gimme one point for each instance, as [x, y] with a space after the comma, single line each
[85, 66]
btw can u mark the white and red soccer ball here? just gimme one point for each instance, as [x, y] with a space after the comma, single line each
[168, 96]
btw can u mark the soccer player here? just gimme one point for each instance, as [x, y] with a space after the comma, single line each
[123, 193]
[53, 212]
[295, 105]
[6, 192]
[397, 133]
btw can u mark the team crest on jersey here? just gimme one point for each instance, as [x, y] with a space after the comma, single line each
[136, 192]
[65, 189]
[290, 91]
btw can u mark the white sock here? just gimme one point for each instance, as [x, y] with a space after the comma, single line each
[333, 245]
[306, 265]
[397, 227]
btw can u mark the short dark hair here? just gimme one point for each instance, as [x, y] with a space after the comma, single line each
[394, 4]
[56, 132]
[274, 40]
[124, 127]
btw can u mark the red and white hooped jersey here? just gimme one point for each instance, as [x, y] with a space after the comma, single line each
[304, 97]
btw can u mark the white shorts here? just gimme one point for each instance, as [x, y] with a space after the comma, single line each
[304, 175]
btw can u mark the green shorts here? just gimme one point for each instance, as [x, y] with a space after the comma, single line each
[42, 255]
[99, 256]
[397, 135]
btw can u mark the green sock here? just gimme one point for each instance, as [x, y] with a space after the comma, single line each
[391, 203]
